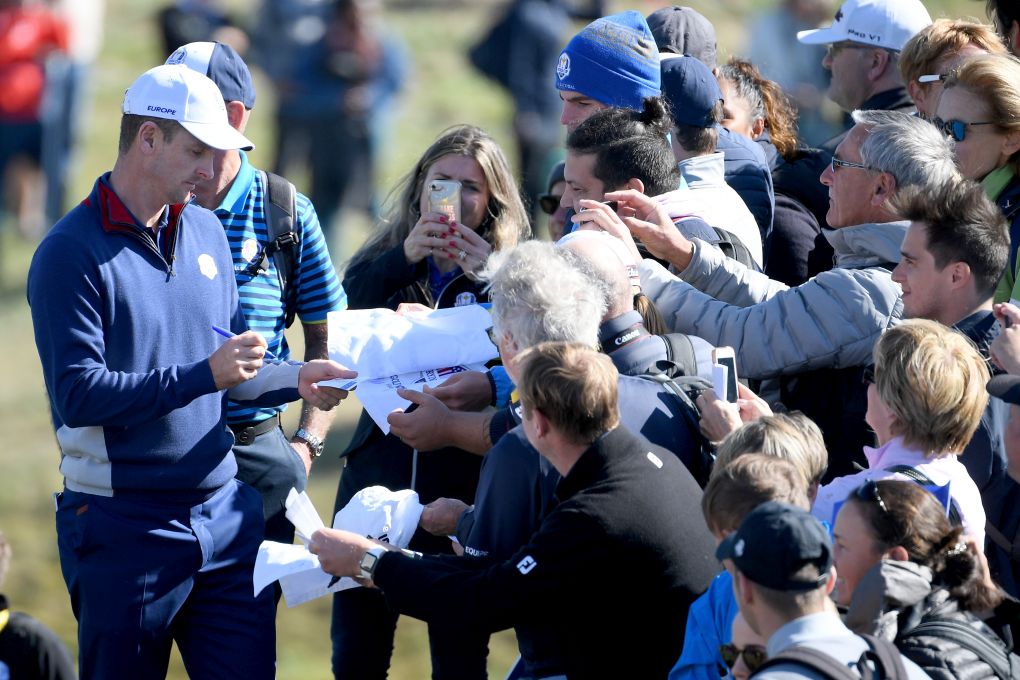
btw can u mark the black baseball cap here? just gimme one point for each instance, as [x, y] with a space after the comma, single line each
[774, 542]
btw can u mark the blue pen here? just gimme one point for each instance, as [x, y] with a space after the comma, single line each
[227, 334]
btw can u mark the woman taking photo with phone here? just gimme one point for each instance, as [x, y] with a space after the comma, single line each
[425, 254]
[418, 253]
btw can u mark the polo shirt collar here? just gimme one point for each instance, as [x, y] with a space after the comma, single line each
[235, 199]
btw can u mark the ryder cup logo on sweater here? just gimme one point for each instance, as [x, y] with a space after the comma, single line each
[464, 299]
[207, 266]
[563, 66]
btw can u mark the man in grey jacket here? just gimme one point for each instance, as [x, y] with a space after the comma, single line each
[830, 322]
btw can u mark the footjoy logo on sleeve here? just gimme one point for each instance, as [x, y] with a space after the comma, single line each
[526, 564]
[161, 109]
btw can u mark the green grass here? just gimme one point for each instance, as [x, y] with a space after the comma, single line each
[443, 91]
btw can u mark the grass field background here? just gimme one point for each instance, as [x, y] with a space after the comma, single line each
[443, 90]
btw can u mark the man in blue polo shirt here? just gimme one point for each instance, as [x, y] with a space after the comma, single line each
[237, 194]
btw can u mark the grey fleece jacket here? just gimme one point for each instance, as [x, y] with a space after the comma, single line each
[831, 321]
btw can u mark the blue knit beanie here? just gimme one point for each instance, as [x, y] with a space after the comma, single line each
[614, 61]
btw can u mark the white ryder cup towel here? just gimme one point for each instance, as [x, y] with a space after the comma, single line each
[378, 343]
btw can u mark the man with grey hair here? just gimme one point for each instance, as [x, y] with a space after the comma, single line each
[817, 336]
[542, 293]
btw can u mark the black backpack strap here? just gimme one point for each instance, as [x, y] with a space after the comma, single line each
[680, 353]
[992, 652]
[819, 662]
[685, 389]
[924, 480]
[281, 216]
[885, 657]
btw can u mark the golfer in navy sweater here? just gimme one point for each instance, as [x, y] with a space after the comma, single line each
[157, 540]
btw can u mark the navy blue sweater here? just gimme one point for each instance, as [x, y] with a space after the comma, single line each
[123, 329]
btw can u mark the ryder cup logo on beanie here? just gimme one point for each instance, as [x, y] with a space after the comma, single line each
[175, 92]
[613, 60]
[222, 65]
[882, 23]
[774, 544]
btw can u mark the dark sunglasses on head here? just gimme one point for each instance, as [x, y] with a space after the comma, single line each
[868, 492]
[754, 656]
[548, 203]
[956, 129]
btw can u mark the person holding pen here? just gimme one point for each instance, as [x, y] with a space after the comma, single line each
[157, 539]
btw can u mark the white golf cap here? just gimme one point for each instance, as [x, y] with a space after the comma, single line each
[882, 23]
[176, 92]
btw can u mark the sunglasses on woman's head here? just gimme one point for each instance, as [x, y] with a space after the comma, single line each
[956, 129]
[754, 656]
[868, 492]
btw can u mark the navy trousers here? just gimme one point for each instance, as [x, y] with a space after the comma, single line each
[142, 574]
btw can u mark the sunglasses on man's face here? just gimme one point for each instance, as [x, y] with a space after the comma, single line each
[754, 656]
[956, 129]
[548, 203]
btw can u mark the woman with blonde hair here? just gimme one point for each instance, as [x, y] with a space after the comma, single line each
[980, 110]
[424, 257]
[926, 394]
[930, 56]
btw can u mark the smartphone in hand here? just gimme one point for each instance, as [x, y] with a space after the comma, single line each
[444, 198]
[724, 356]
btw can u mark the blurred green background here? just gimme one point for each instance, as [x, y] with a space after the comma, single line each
[442, 90]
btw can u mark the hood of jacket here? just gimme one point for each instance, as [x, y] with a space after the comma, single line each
[867, 245]
[887, 591]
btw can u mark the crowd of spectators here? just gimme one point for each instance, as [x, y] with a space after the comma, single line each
[851, 508]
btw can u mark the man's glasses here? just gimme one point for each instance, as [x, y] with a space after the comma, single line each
[835, 48]
[548, 203]
[838, 162]
[868, 376]
[956, 129]
[932, 77]
[868, 492]
[493, 338]
[754, 656]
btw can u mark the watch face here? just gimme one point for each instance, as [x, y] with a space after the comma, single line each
[368, 562]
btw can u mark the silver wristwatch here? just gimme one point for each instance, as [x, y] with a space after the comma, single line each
[315, 445]
[369, 561]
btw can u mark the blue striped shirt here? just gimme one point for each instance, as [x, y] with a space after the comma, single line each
[243, 216]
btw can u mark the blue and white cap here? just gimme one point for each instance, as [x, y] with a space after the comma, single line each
[175, 92]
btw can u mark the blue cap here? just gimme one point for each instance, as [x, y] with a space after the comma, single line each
[613, 60]
[221, 64]
[691, 90]
[774, 542]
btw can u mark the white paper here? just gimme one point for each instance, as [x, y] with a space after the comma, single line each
[298, 571]
[375, 512]
[379, 396]
[302, 515]
[378, 343]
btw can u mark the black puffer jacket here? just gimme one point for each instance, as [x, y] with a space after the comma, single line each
[930, 646]
[896, 601]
